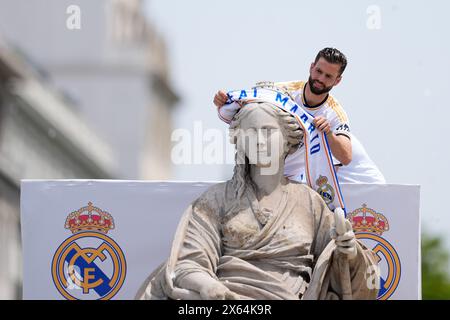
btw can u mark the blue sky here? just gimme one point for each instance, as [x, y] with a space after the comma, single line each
[394, 89]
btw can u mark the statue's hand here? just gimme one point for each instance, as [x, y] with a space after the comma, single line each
[343, 234]
[215, 290]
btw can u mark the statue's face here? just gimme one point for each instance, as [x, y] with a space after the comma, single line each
[261, 138]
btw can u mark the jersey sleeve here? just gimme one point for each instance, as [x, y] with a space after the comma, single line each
[338, 119]
[339, 127]
[339, 122]
[291, 86]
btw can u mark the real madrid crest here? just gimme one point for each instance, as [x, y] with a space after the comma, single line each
[89, 264]
[325, 190]
[369, 226]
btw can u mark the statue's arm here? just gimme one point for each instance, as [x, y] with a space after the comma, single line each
[208, 287]
[200, 251]
[350, 260]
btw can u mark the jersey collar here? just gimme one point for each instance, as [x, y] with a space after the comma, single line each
[306, 105]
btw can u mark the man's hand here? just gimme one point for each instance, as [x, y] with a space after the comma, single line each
[220, 98]
[322, 124]
[343, 235]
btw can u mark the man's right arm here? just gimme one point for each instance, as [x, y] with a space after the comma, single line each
[220, 98]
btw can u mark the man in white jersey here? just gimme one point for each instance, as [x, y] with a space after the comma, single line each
[352, 162]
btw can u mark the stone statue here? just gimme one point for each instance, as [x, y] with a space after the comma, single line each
[262, 236]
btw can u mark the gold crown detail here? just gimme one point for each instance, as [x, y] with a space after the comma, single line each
[89, 218]
[365, 219]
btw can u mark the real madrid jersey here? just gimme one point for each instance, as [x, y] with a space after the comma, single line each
[329, 108]
[360, 170]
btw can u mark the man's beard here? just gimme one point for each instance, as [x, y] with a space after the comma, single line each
[315, 90]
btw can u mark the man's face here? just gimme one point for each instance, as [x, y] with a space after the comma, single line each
[323, 76]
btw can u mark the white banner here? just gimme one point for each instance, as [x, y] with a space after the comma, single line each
[100, 239]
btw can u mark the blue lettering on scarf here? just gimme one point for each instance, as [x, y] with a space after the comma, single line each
[315, 148]
[255, 91]
[304, 117]
[243, 94]
[311, 128]
[315, 137]
[294, 108]
[283, 101]
[230, 99]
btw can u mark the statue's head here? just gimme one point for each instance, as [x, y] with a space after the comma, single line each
[264, 135]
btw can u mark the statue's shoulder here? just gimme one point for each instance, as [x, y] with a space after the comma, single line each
[301, 188]
[215, 190]
[213, 197]
[304, 192]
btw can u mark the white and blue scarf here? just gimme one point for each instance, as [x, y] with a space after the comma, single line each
[319, 171]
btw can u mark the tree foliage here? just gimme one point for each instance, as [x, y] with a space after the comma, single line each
[435, 277]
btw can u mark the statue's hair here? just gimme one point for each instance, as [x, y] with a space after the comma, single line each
[290, 129]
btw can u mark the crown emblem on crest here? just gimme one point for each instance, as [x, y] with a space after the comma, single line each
[368, 220]
[321, 181]
[89, 218]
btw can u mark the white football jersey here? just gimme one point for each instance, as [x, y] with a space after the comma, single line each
[360, 170]
[329, 108]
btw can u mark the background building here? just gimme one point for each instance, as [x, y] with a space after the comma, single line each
[87, 103]
[114, 66]
[40, 137]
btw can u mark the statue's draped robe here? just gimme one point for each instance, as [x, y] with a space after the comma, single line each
[259, 254]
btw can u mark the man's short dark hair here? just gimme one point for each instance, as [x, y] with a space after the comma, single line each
[333, 55]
